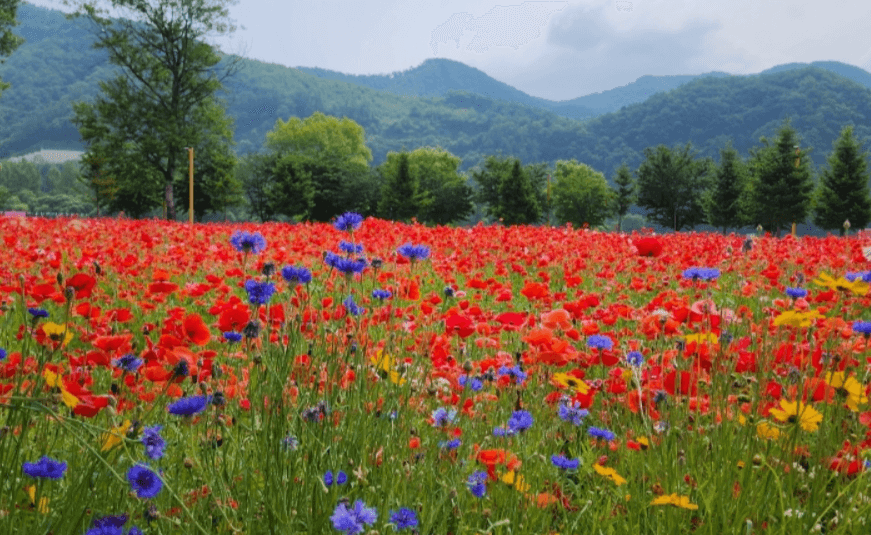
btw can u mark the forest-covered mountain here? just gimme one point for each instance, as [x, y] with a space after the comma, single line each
[57, 66]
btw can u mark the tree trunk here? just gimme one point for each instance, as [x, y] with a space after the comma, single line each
[170, 202]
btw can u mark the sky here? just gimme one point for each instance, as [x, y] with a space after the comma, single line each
[558, 49]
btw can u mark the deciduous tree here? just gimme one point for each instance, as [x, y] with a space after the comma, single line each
[8, 40]
[581, 195]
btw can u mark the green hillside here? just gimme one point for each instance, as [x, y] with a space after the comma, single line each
[57, 66]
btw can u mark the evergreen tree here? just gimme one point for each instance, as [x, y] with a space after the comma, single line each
[723, 205]
[8, 41]
[843, 190]
[400, 199]
[625, 193]
[518, 202]
[782, 184]
[671, 186]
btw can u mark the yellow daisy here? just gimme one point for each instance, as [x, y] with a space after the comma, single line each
[609, 473]
[767, 431]
[797, 412]
[848, 388]
[570, 381]
[57, 332]
[515, 480]
[114, 437]
[857, 286]
[674, 499]
[794, 318]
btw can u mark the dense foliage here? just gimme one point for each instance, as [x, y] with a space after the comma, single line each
[843, 194]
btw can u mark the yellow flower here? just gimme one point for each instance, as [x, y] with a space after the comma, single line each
[570, 381]
[673, 499]
[858, 286]
[701, 338]
[849, 388]
[385, 366]
[57, 332]
[516, 481]
[797, 412]
[52, 380]
[794, 318]
[43, 502]
[113, 438]
[767, 431]
[609, 473]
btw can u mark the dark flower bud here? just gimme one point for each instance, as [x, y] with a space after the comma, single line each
[377, 263]
[97, 269]
[252, 330]
[69, 293]
[268, 269]
[60, 279]
[218, 399]
[181, 369]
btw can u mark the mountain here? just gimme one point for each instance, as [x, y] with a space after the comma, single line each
[57, 66]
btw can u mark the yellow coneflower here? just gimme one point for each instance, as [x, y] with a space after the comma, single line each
[115, 436]
[701, 338]
[52, 380]
[384, 363]
[610, 473]
[57, 332]
[570, 381]
[675, 499]
[794, 318]
[515, 480]
[849, 388]
[767, 431]
[797, 412]
[857, 286]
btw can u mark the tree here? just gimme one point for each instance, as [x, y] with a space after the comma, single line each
[8, 41]
[508, 191]
[443, 196]
[723, 206]
[781, 182]
[671, 183]
[400, 196]
[162, 101]
[581, 195]
[625, 193]
[332, 150]
[843, 190]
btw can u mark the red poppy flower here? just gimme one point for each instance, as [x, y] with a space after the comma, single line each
[196, 330]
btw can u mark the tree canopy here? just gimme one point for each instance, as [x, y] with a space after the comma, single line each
[581, 195]
[671, 185]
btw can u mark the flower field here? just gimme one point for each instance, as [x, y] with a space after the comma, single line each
[377, 377]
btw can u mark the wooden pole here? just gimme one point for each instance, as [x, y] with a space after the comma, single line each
[191, 186]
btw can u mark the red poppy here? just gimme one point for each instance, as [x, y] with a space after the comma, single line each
[196, 330]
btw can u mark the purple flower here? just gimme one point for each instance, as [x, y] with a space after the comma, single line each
[353, 520]
[153, 442]
[597, 341]
[352, 307]
[248, 242]
[560, 461]
[349, 221]
[145, 483]
[635, 358]
[442, 417]
[350, 248]
[109, 525]
[477, 484]
[515, 372]
[381, 294]
[296, 275]
[259, 293]
[604, 434]
[572, 413]
[796, 293]
[404, 518]
[413, 252]
[45, 467]
[339, 479]
[128, 363]
[862, 327]
[189, 406]
[232, 337]
[520, 421]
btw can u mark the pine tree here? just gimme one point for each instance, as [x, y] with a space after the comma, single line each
[518, 202]
[843, 191]
[625, 193]
[400, 199]
[723, 205]
[782, 184]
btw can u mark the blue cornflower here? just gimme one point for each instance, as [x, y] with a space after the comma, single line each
[597, 432]
[560, 461]
[520, 421]
[110, 525]
[232, 337]
[2, 353]
[701, 273]
[635, 358]
[350, 248]
[573, 413]
[45, 467]
[413, 252]
[353, 520]
[145, 483]
[352, 307]
[476, 484]
[515, 372]
[128, 363]
[259, 293]
[189, 406]
[597, 341]
[404, 518]
[503, 431]
[796, 293]
[862, 327]
[349, 221]
[153, 442]
[381, 294]
[38, 312]
[340, 478]
[451, 444]
[865, 276]
[347, 266]
[472, 382]
[248, 242]
[296, 275]
[449, 291]
[442, 417]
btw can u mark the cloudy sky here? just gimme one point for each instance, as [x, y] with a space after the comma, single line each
[552, 49]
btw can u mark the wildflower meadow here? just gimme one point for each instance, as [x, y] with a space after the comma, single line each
[367, 376]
